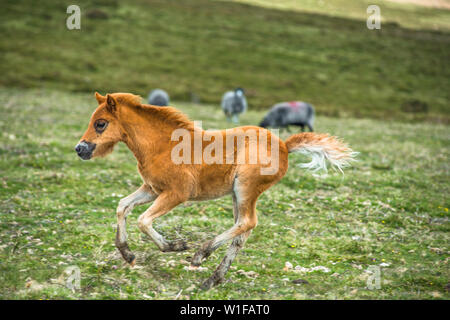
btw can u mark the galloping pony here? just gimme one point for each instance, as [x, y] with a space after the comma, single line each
[148, 131]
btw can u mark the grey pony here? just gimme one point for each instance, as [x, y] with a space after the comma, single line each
[283, 114]
[158, 97]
[234, 103]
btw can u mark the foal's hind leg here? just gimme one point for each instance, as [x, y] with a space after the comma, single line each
[143, 195]
[247, 213]
[245, 220]
[162, 205]
[219, 274]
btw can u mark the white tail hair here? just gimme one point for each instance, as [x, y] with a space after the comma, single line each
[323, 149]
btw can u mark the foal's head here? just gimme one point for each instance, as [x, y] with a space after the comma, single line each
[104, 129]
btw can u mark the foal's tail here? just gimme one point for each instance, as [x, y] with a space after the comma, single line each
[321, 147]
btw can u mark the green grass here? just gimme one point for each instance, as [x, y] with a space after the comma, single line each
[58, 211]
[293, 50]
[406, 15]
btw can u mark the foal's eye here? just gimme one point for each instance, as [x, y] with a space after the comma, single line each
[100, 125]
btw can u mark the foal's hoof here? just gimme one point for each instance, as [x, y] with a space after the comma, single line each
[129, 257]
[199, 256]
[211, 282]
[179, 245]
[197, 260]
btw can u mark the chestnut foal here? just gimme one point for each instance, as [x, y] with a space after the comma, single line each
[148, 132]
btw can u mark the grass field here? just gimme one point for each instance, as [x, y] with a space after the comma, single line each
[56, 211]
[406, 14]
[317, 51]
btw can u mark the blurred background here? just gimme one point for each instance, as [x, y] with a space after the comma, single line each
[317, 51]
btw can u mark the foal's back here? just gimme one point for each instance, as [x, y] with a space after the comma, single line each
[242, 165]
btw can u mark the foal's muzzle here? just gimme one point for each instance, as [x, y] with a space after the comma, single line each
[85, 149]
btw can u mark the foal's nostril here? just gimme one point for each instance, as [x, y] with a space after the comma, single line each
[84, 149]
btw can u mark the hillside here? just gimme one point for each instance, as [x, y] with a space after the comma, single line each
[206, 47]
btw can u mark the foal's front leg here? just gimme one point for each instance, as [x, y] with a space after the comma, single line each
[165, 202]
[143, 195]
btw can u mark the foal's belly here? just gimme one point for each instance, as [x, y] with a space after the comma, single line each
[210, 195]
[213, 191]
[214, 183]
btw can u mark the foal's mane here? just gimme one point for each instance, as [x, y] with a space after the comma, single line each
[169, 115]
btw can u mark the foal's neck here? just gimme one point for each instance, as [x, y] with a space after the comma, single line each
[147, 134]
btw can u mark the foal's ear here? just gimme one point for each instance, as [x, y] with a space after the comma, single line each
[111, 103]
[100, 98]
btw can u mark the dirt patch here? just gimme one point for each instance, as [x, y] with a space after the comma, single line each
[441, 4]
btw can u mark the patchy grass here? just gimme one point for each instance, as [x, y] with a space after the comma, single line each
[407, 15]
[57, 211]
[320, 52]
